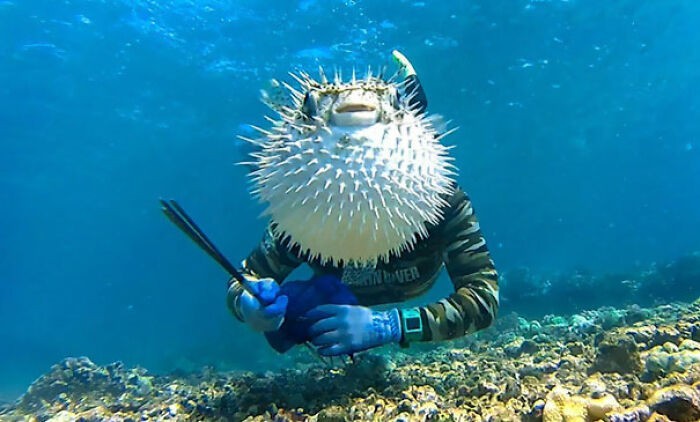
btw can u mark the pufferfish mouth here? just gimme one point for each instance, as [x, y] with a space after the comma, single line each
[355, 114]
[354, 107]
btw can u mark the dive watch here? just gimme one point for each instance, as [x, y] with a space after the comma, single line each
[411, 325]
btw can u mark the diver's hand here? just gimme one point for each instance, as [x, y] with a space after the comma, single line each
[266, 316]
[346, 329]
[405, 67]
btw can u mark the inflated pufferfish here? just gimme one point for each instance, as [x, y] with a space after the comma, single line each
[350, 172]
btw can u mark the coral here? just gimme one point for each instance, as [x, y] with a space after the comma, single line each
[598, 407]
[561, 406]
[594, 386]
[518, 370]
[521, 346]
[556, 321]
[582, 324]
[332, 414]
[679, 403]
[658, 418]
[636, 414]
[666, 358]
[95, 384]
[63, 416]
[666, 335]
[635, 313]
[609, 318]
[617, 353]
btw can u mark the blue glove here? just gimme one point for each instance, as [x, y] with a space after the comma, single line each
[266, 316]
[303, 296]
[346, 329]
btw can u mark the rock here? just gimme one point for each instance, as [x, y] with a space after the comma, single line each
[655, 417]
[511, 390]
[582, 324]
[529, 347]
[689, 345]
[665, 335]
[594, 386]
[512, 349]
[173, 410]
[636, 314]
[405, 406]
[684, 359]
[560, 406]
[657, 363]
[599, 407]
[536, 411]
[635, 414]
[610, 318]
[664, 359]
[642, 334]
[63, 416]
[98, 413]
[582, 376]
[555, 321]
[427, 411]
[617, 353]
[533, 327]
[520, 346]
[679, 403]
[333, 414]
[575, 348]
[537, 369]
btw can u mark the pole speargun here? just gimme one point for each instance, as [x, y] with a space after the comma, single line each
[177, 215]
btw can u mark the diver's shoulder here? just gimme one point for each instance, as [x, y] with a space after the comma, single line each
[457, 196]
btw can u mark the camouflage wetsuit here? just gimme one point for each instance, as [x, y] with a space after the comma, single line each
[456, 242]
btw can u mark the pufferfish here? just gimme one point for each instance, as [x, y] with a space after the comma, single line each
[350, 172]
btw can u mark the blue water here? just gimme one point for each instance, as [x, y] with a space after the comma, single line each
[579, 143]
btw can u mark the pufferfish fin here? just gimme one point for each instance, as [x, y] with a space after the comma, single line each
[275, 96]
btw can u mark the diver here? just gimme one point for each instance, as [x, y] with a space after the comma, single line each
[454, 240]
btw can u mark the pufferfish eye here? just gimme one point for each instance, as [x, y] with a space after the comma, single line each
[310, 105]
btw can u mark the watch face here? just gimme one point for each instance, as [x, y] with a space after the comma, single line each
[413, 324]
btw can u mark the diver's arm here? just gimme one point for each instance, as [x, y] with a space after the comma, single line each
[413, 88]
[416, 95]
[269, 260]
[474, 304]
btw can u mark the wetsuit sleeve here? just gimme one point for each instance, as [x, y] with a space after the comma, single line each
[416, 94]
[270, 259]
[474, 304]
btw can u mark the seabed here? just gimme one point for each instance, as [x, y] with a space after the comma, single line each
[612, 364]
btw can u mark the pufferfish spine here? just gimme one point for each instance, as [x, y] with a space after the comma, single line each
[353, 194]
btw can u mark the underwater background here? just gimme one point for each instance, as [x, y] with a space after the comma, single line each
[579, 143]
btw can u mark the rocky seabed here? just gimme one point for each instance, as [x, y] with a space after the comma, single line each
[630, 364]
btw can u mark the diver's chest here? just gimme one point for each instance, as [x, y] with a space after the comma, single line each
[404, 276]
